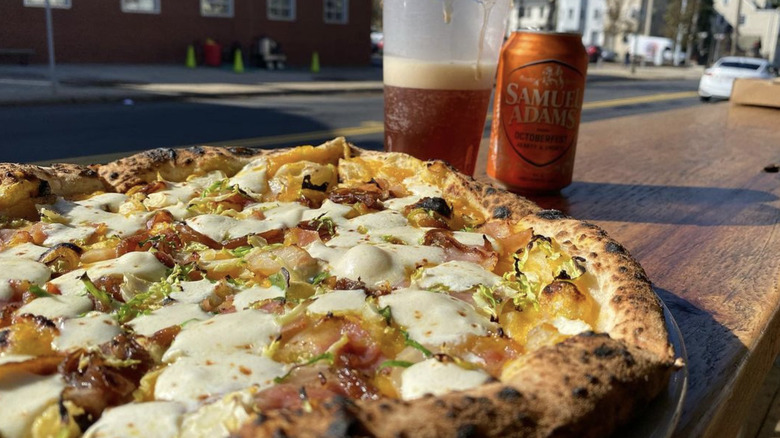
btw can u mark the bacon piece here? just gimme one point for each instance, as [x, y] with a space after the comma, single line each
[371, 196]
[161, 217]
[188, 235]
[94, 384]
[483, 255]
[322, 231]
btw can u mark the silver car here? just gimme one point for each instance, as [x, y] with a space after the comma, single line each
[718, 79]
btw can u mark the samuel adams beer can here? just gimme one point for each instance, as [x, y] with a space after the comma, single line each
[539, 92]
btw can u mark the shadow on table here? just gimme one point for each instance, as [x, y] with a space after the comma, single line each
[707, 343]
[703, 206]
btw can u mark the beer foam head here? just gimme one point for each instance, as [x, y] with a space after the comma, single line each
[455, 75]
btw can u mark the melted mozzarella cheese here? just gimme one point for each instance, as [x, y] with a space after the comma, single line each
[143, 265]
[244, 299]
[433, 318]
[456, 276]
[222, 418]
[380, 220]
[222, 228]
[192, 380]
[60, 233]
[252, 177]
[89, 331]
[97, 210]
[29, 251]
[70, 283]
[159, 419]
[336, 212]
[249, 330]
[433, 377]
[109, 202]
[57, 306]
[383, 263]
[194, 291]
[338, 302]
[179, 194]
[20, 269]
[23, 397]
[167, 316]
[566, 326]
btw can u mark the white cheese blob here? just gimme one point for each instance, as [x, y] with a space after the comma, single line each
[338, 302]
[91, 330]
[249, 330]
[418, 189]
[181, 193]
[336, 212]
[219, 419]
[192, 380]
[384, 263]
[143, 265]
[23, 397]
[222, 228]
[433, 318]
[14, 268]
[26, 250]
[60, 233]
[57, 306]
[98, 210]
[566, 326]
[70, 284]
[193, 291]
[456, 276]
[433, 377]
[244, 299]
[252, 178]
[167, 316]
[158, 419]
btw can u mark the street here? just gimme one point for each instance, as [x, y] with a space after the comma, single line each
[51, 133]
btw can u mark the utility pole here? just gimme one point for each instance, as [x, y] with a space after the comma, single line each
[678, 39]
[735, 39]
[648, 17]
[50, 43]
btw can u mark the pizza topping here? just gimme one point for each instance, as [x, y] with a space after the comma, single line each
[17, 269]
[175, 314]
[158, 418]
[433, 319]
[56, 306]
[192, 380]
[24, 397]
[91, 330]
[434, 377]
[62, 257]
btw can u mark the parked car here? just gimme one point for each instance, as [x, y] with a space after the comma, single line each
[608, 56]
[718, 79]
[594, 53]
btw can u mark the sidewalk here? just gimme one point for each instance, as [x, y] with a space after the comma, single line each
[83, 83]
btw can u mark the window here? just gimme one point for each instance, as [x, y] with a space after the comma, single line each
[60, 4]
[216, 8]
[336, 11]
[141, 6]
[571, 13]
[596, 14]
[283, 10]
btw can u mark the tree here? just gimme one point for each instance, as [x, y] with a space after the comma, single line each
[376, 14]
[615, 22]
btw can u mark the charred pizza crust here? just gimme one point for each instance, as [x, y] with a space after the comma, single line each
[585, 386]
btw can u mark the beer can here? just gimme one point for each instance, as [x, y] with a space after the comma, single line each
[536, 115]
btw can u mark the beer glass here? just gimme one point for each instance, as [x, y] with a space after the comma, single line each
[439, 62]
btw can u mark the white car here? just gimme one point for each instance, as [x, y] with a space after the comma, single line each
[718, 79]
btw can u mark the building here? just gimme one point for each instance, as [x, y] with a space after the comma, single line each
[757, 25]
[529, 14]
[159, 31]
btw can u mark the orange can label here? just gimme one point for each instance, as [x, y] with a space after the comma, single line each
[540, 110]
[539, 92]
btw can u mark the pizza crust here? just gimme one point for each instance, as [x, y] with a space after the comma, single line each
[583, 387]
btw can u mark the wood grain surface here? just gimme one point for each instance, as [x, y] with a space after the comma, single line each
[686, 191]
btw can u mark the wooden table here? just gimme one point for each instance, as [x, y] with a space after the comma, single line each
[687, 193]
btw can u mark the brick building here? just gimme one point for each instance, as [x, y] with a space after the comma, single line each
[159, 31]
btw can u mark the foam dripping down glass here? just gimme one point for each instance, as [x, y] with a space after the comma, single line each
[439, 62]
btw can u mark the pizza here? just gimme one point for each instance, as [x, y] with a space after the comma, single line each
[313, 291]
